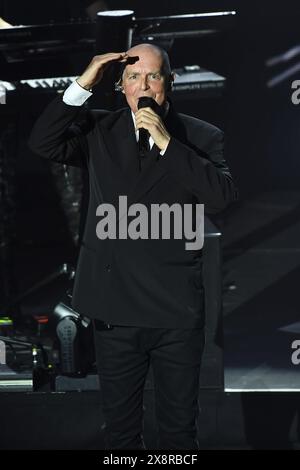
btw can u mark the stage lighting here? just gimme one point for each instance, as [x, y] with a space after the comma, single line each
[68, 326]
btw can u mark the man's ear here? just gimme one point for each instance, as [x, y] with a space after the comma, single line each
[119, 86]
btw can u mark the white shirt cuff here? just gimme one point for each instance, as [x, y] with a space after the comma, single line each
[162, 152]
[76, 95]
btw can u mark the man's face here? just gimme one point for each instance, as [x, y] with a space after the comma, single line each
[144, 78]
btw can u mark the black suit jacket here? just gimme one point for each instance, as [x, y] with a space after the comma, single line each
[150, 283]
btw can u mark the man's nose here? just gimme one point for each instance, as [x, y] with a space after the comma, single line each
[144, 84]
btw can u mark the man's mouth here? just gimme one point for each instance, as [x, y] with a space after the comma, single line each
[146, 96]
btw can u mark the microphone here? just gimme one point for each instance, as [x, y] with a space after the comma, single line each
[146, 102]
[144, 147]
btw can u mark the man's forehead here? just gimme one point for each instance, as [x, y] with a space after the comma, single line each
[138, 69]
[154, 64]
[145, 55]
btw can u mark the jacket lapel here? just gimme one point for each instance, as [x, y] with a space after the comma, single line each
[120, 140]
[156, 169]
[119, 137]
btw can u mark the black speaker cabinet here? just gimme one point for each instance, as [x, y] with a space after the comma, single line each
[212, 370]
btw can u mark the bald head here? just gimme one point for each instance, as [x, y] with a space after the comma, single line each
[148, 73]
[150, 49]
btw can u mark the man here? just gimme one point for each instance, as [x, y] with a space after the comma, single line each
[148, 291]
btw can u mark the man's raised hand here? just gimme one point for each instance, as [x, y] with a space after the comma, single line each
[94, 71]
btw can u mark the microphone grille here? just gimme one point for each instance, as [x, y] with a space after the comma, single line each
[146, 102]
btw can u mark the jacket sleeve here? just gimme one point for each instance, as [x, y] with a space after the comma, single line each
[206, 175]
[59, 135]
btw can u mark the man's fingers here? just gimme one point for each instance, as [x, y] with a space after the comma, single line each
[146, 112]
[147, 109]
[145, 121]
[106, 58]
[150, 118]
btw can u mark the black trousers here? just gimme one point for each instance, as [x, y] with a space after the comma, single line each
[123, 358]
